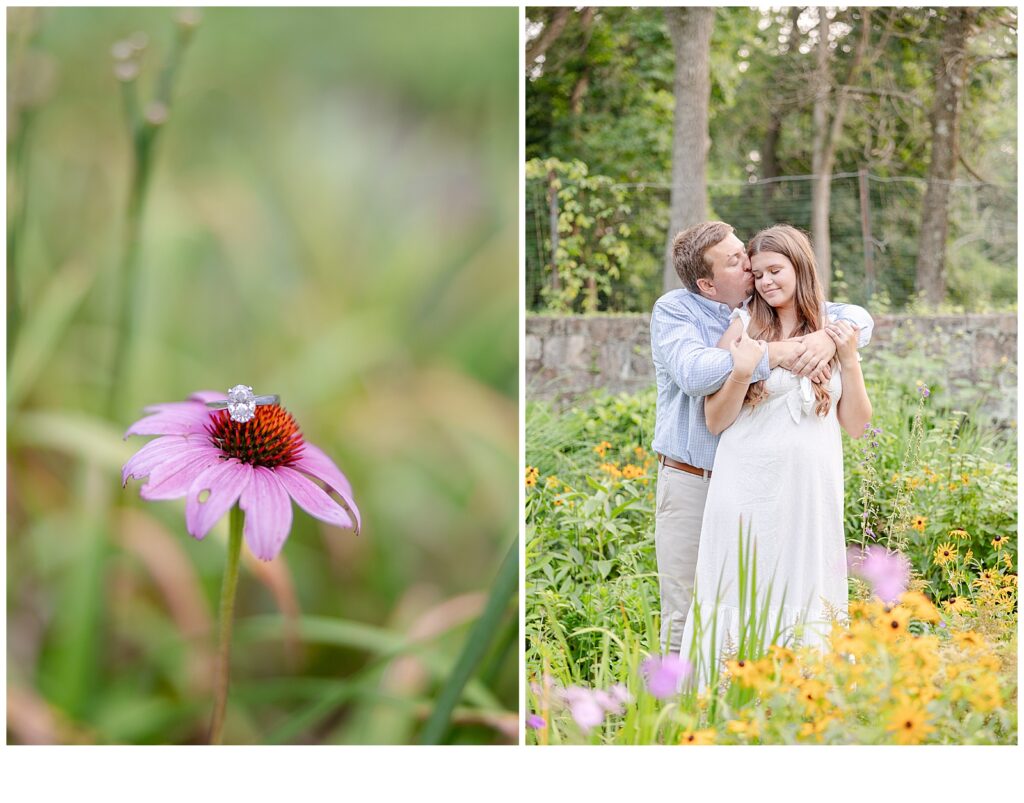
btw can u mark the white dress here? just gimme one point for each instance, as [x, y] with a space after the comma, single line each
[779, 470]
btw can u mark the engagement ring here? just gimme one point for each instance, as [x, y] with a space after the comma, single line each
[241, 403]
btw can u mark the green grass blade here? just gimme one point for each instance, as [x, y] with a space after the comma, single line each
[479, 640]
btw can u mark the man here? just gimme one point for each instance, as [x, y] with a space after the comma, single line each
[686, 325]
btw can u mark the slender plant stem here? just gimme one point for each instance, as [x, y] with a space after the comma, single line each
[227, 616]
[480, 638]
[129, 274]
[144, 133]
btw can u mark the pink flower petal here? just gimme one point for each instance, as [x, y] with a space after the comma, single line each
[151, 455]
[172, 479]
[317, 464]
[312, 498]
[205, 396]
[268, 514]
[186, 419]
[225, 482]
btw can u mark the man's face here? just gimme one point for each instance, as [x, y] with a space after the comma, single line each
[731, 282]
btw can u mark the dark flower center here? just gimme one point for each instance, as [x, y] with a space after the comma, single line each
[894, 625]
[909, 724]
[271, 438]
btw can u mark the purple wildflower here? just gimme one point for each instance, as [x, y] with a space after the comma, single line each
[923, 390]
[887, 572]
[535, 721]
[620, 694]
[262, 464]
[584, 707]
[665, 674]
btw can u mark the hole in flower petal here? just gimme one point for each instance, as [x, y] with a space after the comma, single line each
[203, 495]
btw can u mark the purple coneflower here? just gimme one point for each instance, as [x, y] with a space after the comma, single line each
[888, 573]
[215, 461]
[249, 459]
[665, 674]
[583, 706]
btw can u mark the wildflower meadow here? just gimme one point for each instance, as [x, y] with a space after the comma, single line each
[927, 655]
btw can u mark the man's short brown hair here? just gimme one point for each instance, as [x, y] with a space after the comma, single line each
[688, 249]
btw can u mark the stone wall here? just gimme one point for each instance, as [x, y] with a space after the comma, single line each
[569, 355]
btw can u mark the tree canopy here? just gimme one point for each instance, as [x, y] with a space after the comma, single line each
[600, 91]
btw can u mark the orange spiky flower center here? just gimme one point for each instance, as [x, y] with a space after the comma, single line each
[270, 438]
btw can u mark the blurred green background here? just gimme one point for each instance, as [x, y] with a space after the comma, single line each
[331, 216]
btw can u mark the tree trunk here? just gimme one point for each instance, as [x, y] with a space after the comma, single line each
[821, 184]
[826, 136]
[690, 29]
[950, 76]
[579, 91]
[548, 37]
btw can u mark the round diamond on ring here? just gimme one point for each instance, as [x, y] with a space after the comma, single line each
[241, 403]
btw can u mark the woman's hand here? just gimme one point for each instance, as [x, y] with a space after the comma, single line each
[746, 354]
[844, 334]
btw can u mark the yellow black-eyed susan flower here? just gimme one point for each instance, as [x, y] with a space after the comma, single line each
[697, 737]
[957, 604]
[631, 472]
[919, 523]
[909, 724]
[998, 541]
[944, 553]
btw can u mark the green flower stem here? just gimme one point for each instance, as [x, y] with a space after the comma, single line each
[226, 616]
[144, 131]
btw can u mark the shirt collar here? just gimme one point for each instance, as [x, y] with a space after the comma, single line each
[716, 307]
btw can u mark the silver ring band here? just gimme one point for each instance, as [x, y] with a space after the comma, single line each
[257, 400]
[241, 403]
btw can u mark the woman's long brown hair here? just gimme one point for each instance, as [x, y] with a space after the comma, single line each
[809, 301]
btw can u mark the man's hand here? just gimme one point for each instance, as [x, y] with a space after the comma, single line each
[819, 349]
[785, 353]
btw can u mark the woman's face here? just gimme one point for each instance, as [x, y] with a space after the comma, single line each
[774, 278]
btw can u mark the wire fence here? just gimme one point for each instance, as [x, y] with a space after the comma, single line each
[874, 225]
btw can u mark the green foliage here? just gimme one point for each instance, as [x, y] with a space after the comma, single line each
[592, 232]
[591, 573]
[618, 65]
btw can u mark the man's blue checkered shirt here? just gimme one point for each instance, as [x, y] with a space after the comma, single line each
[685, 327]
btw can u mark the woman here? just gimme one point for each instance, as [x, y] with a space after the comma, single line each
[778, 472]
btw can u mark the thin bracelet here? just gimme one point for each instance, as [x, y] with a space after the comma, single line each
[738, 381]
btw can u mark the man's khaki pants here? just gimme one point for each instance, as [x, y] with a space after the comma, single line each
[678, 514]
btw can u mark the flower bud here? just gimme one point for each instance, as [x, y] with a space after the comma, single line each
[122, 50]
[156, 113]
[126, 71]
[189, 18]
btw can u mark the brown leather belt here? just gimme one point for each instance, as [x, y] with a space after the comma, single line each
[668, 461]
